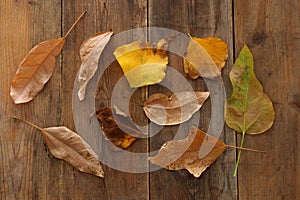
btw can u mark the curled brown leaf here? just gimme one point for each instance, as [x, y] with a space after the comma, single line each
[177, 108]
[121, 131]
[90, 51]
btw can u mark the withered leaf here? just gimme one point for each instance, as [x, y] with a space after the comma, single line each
[143, 63]
[184, 154]
[36, 69]
[197, 62]
[249, 110]
[177, 108]
[194, 153]
[121, 131]
[70, 147]
[90, 52]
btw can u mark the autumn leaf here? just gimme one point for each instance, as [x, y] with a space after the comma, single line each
[69, 146]
[197, 61]
[37, 68]
[184, 154]
[90, 52]
[249, 110]
[176, 109]
[120, 131]
[143, 63]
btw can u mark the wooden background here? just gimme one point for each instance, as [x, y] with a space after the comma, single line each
[270, 28]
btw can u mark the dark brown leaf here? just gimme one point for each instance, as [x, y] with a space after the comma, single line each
[121, 132]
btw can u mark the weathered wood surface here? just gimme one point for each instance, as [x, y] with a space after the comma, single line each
[200, 19]
[270, 28]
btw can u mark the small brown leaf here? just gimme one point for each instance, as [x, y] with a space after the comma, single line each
[177, 108]
[113, 128]
[90, 52]
[37, 68]
[184, 154]
[203, 65]
[70, 147]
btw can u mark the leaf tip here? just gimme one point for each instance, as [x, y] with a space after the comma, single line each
[246, 50]
[17, 99]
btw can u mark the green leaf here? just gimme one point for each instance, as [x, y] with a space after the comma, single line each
[249, 110]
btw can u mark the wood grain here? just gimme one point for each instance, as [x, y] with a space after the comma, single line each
[272, 30]
[116, 16]
[200, 19]
[25, 169]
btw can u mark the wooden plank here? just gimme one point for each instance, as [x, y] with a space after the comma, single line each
[200, 19]
[25, 169]
[272, 30]
[103, 15]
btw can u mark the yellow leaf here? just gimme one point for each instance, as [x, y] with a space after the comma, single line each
[215, 48]
[143, 63]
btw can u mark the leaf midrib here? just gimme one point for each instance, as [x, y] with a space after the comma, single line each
[46, 57]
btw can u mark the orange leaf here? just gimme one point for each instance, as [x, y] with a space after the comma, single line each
[36, 69]
[215, 48]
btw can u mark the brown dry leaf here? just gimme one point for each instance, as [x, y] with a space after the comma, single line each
[37, 68]
[70, 147]
[215, 48]
[143, 63]
[90, 52]
[184, 154]
[113, 128]
[177, 108]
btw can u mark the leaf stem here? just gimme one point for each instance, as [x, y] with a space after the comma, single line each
[239, 154]
[27, 122]
[74, 24]
[246, 149]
